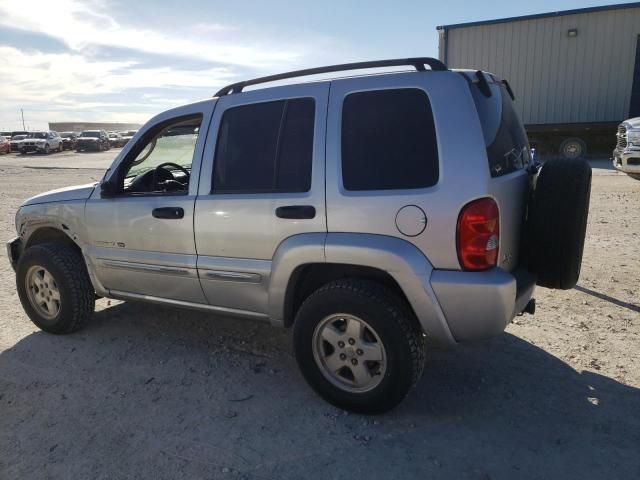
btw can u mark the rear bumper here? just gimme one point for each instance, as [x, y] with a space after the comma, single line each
[13, 251]
[479, 305]
[627, 161]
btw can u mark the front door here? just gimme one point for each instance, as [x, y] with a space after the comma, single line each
[141, 235]
[262, 183]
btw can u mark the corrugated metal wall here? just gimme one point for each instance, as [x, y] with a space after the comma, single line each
[557, 78]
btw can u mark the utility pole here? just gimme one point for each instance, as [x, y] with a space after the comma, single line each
[22, 113]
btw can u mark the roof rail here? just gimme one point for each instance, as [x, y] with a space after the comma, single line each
[418, 63]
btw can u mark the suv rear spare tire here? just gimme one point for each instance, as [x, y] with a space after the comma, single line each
[557, 222]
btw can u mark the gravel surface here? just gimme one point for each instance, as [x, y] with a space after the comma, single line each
[151, 392]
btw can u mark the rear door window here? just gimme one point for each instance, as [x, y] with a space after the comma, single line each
[504, 135]
[388, 140]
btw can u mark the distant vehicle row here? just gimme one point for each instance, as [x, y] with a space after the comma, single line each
[48, 141]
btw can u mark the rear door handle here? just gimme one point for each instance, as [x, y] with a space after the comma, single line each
[296, 212]
[168, 212]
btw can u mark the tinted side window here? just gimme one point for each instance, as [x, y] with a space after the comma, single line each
[388, 140]
[504, 135]
[265, 147]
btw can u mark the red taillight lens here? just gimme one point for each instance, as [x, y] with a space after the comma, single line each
[478, 235]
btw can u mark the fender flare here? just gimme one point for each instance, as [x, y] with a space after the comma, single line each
[406, 264]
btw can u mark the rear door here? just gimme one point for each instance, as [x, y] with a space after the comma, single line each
[262, 182]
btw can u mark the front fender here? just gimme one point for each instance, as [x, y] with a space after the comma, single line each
[65, 217]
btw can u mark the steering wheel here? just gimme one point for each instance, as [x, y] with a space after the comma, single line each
[159, 168]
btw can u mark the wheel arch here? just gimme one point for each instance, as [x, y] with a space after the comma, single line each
[307, 278]
[305, 262]
[50, 234]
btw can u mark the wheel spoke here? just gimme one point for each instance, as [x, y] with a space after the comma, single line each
[333, 362]
[332, 335]
[361, 374]
[55, 294]
[354, 329]
[370, 352]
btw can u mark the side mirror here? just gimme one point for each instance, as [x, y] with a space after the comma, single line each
[108, 189]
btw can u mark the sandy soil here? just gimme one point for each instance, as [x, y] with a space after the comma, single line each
[151, 392]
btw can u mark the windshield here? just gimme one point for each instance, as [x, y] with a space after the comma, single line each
[66, 134]
[38, 135]
[90, 134]
[18, 137]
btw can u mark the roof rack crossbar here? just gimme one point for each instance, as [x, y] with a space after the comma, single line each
[418, 63]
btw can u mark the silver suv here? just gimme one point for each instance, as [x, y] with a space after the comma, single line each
[42, 142]
[374, 214]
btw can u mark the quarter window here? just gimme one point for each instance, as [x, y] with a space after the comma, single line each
[265, 147]
[388, 140]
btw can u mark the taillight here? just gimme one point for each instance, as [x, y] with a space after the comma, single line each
[478, 234]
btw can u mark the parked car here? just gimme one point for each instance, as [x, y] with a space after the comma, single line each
[15, 142]
[626, 155]
[348, 209]
[96, 140]
[128, 135]
[69, 140]
[5, 145]
[116, 140]
[41, 142]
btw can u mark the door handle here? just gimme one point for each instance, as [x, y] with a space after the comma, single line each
[296, 212]
[168, 212]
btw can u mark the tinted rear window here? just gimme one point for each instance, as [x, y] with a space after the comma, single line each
[388, 140]
[504, 134]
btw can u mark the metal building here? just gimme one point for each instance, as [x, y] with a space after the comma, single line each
[575, 73]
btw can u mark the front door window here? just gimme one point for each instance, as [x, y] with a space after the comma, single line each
[162, 161]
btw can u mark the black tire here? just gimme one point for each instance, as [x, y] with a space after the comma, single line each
[77, 297]
[393, 322]
[572, 148]
[557, 222]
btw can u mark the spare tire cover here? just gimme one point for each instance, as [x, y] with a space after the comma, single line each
[557, 222]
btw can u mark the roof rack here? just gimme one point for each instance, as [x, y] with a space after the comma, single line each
[417, 63]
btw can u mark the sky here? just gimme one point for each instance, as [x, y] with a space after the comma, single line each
[126, 60]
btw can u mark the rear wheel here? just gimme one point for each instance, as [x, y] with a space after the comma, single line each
[54, 288]
[573, 148]
[358, 346]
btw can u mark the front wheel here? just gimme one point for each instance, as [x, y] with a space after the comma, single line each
[54, 288]
[358, 346]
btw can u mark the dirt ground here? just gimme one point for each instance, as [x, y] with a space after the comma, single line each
[151, 392]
